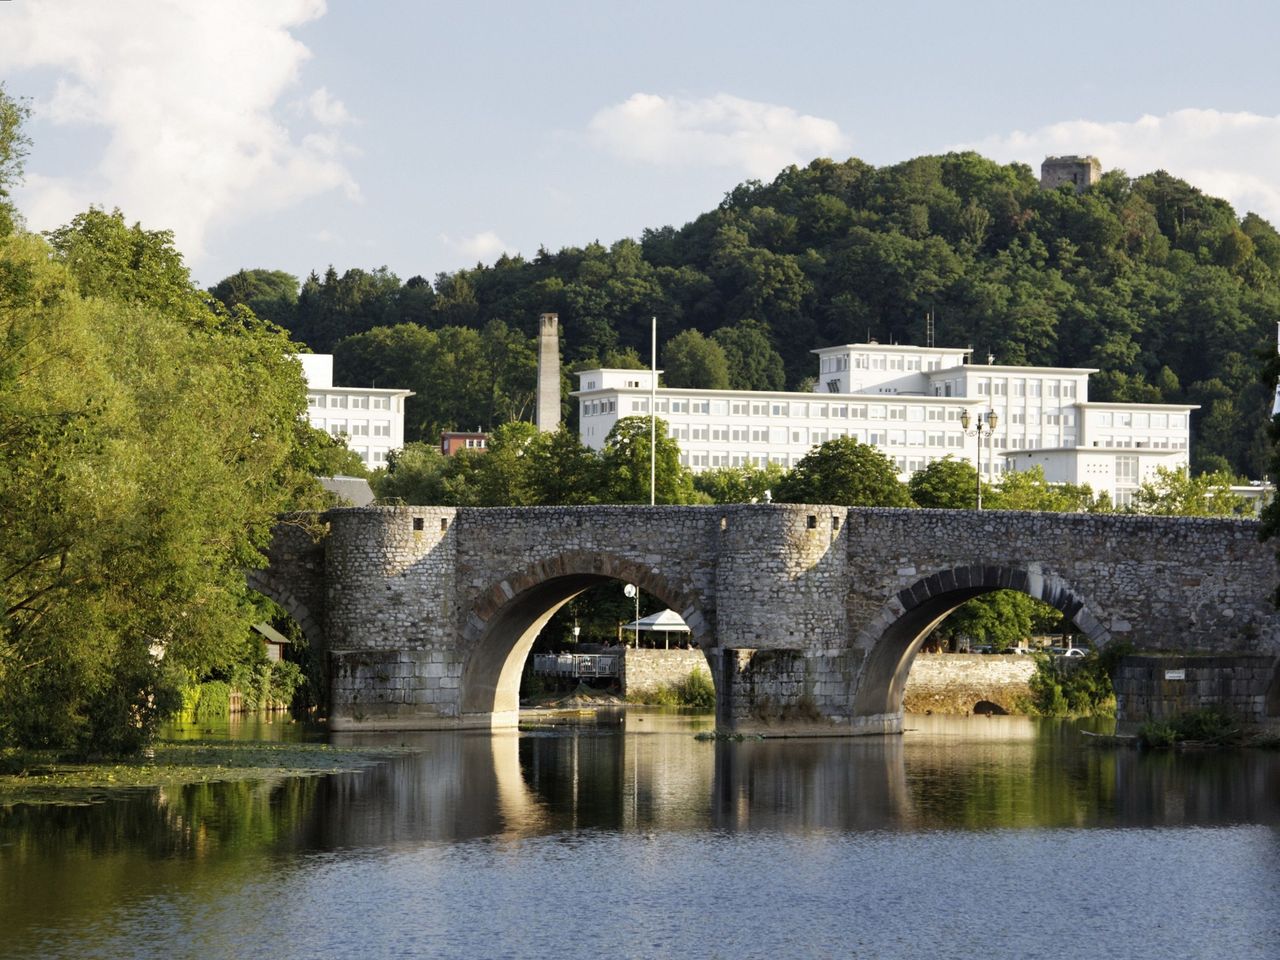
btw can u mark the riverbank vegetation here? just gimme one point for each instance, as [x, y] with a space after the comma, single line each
[1074, 687]
[696, 691]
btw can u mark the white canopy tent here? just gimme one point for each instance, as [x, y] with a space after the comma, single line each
[665, 622]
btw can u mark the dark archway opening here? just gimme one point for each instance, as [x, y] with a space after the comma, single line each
[502, 645]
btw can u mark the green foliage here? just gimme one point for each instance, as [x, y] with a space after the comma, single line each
[1002, 618]
[270, 294]
[1176, 494]
[1063, 687]
[625, 464]
[461, 378]
[746, 484]
[148, 441]
[947, 484]
[696, 691]
[691, 360]
[1210, 726]
[843, 472]
[13, 151]
[1029, 490]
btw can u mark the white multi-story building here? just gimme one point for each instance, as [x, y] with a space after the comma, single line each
[370, 419]
[911, 402]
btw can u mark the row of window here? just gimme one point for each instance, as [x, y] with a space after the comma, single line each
[789, 409]
[1125, 418]
[357, 428]
[709, 460]
[806, 437]
[877, 361]
[348, 402]
[1025, 388]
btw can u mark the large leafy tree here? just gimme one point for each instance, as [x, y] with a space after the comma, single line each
[626, 465]
[691, 360]
[843, 472]
[147, 444]
[947, 483]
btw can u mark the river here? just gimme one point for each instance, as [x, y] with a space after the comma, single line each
[624, 836]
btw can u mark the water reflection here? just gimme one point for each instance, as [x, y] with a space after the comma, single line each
[65, 867]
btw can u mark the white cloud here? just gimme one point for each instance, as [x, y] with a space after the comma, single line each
[722, 131]
[326, 109]
[186, 94]
[482, 246]
[1229, 155]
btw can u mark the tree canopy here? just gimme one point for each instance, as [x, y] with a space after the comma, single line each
[846, 472]
[149, 439]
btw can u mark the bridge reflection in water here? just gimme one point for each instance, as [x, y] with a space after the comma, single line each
[959, 773]
[476, 836]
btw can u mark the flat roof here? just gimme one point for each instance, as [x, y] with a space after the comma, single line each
[893, 346]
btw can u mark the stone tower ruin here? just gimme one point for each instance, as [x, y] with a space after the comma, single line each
[1080, 172]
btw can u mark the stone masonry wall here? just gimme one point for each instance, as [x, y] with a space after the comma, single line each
[954, 683]
[1158, 687]
[1156, 582]
[646, 670]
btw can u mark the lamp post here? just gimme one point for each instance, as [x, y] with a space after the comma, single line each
[986, 424]
[631, 590]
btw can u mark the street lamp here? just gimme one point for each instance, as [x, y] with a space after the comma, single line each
[631, 590]
[986, 424]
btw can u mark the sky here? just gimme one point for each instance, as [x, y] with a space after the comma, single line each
[430, 136]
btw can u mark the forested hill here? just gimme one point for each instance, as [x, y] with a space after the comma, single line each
[1164, 289]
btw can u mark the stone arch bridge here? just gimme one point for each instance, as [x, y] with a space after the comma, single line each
[809, 616]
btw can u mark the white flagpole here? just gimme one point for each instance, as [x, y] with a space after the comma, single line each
[653, 414]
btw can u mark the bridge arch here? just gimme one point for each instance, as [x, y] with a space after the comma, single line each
[505, 618]
[895, 635]
[270, 586]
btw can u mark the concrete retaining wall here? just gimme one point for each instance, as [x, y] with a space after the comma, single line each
[956, 682]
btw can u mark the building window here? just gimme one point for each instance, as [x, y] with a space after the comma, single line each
[738, 408]
[359, 403]
[382, 429]
[1127, 470]
[700, 406]
[313, 401]
[337, 403]
[382, 403]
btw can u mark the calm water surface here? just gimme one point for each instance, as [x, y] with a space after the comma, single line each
[1000, 837]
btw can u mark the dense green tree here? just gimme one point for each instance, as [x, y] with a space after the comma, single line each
[846, 473]
[270, 294]
[692, 361]
[747, 484]
[1176, 493]
[147, 445]
[947, 483]
[1002, 619]
[753, 363]
[626, 465]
